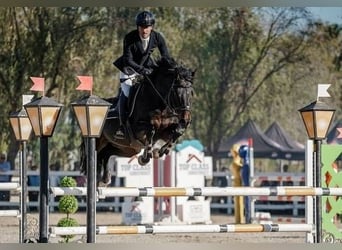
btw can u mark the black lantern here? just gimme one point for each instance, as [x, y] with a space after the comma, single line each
[22, 130]
[317, 117]
[21, 125]
[91, 112]
[43, 113]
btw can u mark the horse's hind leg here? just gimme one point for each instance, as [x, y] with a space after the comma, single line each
[102, 166]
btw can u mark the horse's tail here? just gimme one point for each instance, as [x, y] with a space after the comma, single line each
[83, 157]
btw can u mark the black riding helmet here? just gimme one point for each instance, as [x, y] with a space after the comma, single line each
[145, 18]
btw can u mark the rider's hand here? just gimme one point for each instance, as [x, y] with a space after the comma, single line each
[147, 71]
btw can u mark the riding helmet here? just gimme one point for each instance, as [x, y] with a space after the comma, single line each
[145, 18]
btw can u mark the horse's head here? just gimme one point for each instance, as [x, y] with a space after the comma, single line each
[181, 96]
[175, 82]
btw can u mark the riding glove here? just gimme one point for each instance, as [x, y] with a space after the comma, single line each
[147, 71]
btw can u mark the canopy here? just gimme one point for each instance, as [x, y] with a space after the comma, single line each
[294, 150]
[263, 146]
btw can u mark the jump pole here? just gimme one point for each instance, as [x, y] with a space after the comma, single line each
[9, 213]
[5, 186]
[217, 191]
[158, 229]
[202, 191]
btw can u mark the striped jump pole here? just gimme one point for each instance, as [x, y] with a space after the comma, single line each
[219, 191]
[203, 191]
[166, 229]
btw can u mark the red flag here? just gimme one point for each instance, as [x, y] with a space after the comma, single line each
[38, 84]
[340, 133]
[86, 83]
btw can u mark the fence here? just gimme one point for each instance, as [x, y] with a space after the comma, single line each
[279, 205]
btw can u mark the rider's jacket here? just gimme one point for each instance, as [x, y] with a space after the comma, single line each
[134, 54]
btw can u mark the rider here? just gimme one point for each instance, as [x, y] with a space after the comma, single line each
[138, 46]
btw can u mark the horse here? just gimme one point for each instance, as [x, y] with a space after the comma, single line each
[160, 112]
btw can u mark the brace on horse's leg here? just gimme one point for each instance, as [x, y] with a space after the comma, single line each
[147, 153]
[167, 147]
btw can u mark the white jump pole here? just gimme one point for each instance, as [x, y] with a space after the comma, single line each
[220, 191]
[9, 213]
[5, 186]
[60, 191]
[158, 229]
[204, 191]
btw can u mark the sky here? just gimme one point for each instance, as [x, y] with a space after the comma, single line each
[328, 14]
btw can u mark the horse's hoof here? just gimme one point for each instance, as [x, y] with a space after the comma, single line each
[143, 161]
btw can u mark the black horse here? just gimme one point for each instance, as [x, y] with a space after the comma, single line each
[160, 111]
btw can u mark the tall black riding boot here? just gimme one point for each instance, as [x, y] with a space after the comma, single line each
[120, 133]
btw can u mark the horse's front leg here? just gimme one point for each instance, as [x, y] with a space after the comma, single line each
[167, 147]
[164, 150]
[147, 153]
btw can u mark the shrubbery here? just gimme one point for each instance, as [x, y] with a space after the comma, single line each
[68, 204]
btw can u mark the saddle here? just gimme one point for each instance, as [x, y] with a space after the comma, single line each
[113, 112]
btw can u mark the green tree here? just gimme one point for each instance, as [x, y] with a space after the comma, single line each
[325, 60]
[246, 58]
[237, 50]
[43, 42]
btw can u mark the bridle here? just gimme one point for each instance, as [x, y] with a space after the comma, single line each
[178, 97]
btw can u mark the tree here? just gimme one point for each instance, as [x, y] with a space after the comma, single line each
[245, 59]
[239, 50]
[41, 42]
[326, 57]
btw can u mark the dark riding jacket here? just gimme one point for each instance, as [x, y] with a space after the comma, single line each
[134, 55]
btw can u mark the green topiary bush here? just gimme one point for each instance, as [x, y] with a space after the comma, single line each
[67, 222]
[68, 182]
[68, 204]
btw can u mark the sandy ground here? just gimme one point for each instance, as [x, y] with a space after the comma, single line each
[10, 232]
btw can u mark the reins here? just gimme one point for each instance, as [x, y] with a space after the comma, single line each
[164, 100]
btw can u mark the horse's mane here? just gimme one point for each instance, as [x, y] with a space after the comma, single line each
[169, 63]
[166, 63]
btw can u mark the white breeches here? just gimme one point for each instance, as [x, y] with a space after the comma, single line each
[127, 83]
